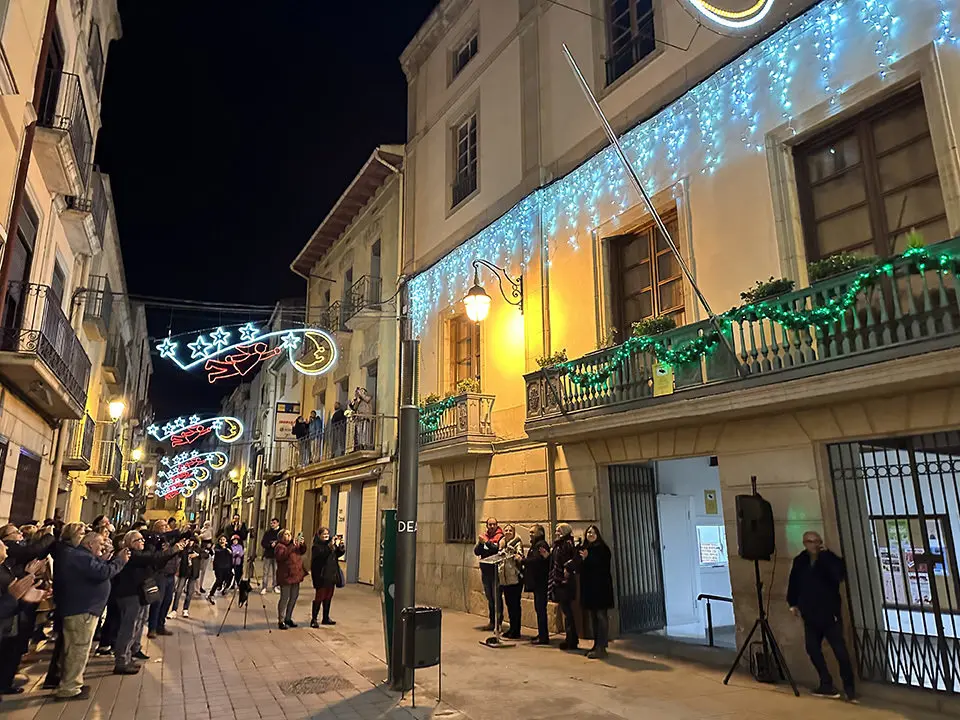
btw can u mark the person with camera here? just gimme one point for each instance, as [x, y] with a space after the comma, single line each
[511, 547]
[290, 574]
[188, 573]
[564, 563]
[596, 587]
[325, 568]
[488, 545]
[160, 541]
[134, 587]
[222, 569]
[536, 573]
[268, 542]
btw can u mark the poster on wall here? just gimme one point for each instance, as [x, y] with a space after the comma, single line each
[287, 414]
[906, 569]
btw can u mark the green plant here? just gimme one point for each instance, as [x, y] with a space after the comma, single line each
[560, 356]
[915, 239]
[609, 340]
[468, 385]
[654, 326]
[430, 399]
[838, 264]
[764, 290]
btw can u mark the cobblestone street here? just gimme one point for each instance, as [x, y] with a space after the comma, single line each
[336, 672]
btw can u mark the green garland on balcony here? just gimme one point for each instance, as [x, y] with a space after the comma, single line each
[918, 260]
[431, 413]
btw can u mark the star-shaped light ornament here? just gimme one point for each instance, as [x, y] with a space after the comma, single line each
[249, 332]
[169, 428]
[179, 423]
[290, 341]
[220, 337]
[154, 430]
[199, 347]
[168, 348]
[217, 423]
[194, 419]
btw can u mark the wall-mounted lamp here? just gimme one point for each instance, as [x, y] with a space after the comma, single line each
[116, 409]
[477, 302]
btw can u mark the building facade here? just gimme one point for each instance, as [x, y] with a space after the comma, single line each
[343, 474]
[813, 148]
[58, 367]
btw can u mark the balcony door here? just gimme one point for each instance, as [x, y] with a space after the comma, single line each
[25, 488]
[21, 261]
[51, 82]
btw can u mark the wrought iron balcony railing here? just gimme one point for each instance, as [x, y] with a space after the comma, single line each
[34, 324]
[95, 203]
[898, 314]
[463, 417]
[98, 304]
[334, 317]
[363, 294]
[115, 360]
[79, 452]
[353, 434]
[62, 108]
[109, 462]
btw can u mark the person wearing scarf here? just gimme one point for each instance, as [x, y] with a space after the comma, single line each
[488, 544]
[564, 562]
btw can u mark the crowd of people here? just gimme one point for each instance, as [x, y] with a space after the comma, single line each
[317, 440]
[566, 572]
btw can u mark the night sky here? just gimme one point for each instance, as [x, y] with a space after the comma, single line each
[229, 130]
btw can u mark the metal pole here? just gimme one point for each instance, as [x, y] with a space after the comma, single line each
[632, 173]
[409, 461]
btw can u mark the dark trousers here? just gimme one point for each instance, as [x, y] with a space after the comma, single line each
[600, 620]
[511, 594]
[111, 626]
[569, 623]
[832, 631]
[237, 574]
[540, 605]
[12, 649]
[158, 610]
[493, 599]
[222, 581]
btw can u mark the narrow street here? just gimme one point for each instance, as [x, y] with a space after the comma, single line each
[337, 673]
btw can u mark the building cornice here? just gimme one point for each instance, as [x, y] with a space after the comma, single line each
[428, 37]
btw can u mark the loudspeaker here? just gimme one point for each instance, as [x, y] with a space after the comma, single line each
[755, 536]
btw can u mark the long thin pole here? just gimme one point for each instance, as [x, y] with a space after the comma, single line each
[618, 148]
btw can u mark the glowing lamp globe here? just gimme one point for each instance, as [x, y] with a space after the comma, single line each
[234, 474]
[116, 409]
[137, 454]
[150, 483]
[477, 303]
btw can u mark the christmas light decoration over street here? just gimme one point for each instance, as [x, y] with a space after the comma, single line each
[185, 431]
[229, 353]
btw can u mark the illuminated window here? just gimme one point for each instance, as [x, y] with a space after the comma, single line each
[464, 350]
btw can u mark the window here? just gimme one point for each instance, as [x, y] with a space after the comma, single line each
[630, 35]
[4, 7]
[465, 169]
[864, 184]
[464, 350]
[464, 53]
[713, 545]
[372, 385]
[647, 280]
[95, 57]
[58, 284]
[459, 512]
[21, 261]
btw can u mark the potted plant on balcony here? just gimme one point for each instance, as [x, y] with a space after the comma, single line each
[468, 386]
[654, 326]
[838, 264]
[766, 290]
[609, 339]
[549, 361]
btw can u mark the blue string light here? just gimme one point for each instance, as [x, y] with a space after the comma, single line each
[714, 123]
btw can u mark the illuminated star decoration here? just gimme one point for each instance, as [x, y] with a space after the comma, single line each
[249, 332]
[199, 347]
[311, 350]
[183, 431]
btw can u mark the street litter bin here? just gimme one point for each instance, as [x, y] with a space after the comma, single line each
[421, 637]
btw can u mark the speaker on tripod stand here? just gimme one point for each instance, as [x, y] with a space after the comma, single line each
[756, 540]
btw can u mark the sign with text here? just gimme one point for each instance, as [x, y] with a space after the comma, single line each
[287, 414]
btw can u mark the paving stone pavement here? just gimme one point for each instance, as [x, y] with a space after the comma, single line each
[337, 673]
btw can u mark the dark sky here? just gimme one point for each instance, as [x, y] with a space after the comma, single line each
[229, 130]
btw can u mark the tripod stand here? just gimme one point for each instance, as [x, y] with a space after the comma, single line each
[251, 567]
[768, 639]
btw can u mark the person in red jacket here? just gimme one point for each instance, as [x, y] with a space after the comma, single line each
[290, 574]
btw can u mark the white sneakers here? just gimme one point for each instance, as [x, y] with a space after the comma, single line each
[277, 590]
[263, 591]
[186, 613]
[171, 615]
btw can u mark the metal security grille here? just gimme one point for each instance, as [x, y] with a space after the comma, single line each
[459, 512]
[898, 510]
[636, 542]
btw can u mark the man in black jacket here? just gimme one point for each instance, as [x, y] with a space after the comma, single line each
[814, 595]
[236, 528]
[270, 538]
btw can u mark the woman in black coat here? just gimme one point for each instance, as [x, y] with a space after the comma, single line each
[536, 573]
[596, 587]
[325, 568]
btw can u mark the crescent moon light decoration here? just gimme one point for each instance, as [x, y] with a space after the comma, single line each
[186, 431]
[311, 351]
[735, 19]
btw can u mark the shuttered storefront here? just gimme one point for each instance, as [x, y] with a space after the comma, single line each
[368, 533]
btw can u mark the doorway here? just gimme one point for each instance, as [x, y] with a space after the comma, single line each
[25, 488]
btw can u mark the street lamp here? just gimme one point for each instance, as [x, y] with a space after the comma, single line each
[151, 483]
[234, 474]
[137, 455]
[477, 302]
[116, 409]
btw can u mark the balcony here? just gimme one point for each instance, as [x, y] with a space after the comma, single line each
[353, 440]
[40, 354]
[363, 308]
[115, 363]
[85, 217]
[457, 427]
[80, 439]
[108, 466]
[98, 308]
[64, 143]
[281, 457]
[901, 332]
[334, 319]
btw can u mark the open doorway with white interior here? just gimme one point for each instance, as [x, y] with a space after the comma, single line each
[671, 552]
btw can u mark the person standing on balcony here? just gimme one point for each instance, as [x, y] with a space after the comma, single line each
[813, 594]
[488, 544]
[338, 429]
[301, 431]
[268, 542]
[362, 407]
[315, 428]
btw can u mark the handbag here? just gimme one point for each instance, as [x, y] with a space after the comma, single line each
[340, 580]
[150, 591]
